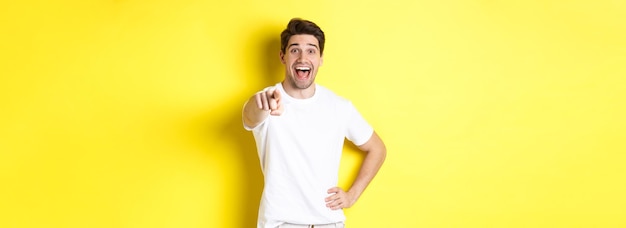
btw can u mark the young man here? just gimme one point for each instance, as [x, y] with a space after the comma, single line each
[299, 128]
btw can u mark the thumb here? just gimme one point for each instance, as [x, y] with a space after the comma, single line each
[333, 190]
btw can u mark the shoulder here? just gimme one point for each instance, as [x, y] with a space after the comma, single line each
[341, 105]
[330, 95]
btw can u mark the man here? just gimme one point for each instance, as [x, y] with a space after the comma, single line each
[299, 128]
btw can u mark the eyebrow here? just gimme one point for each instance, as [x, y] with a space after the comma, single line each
[296, 44]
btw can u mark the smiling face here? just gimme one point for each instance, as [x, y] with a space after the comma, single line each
[302, 58]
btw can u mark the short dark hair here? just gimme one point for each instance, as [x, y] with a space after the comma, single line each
[298, 26]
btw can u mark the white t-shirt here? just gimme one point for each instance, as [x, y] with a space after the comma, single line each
[300, 152]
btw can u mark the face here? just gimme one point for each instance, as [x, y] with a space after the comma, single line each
[302, 58]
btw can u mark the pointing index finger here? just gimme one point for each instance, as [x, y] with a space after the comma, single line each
[276, 94]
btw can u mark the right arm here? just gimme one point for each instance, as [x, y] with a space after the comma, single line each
[256, 108]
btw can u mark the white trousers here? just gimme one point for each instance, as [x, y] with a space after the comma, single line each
[332, 225]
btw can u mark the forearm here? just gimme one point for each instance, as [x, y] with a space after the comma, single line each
[376, 153]
[369, 168]
[252, 114]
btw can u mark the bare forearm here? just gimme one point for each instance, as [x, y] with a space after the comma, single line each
[376, 153]
[252, 114]
[371, 164]
[261, 105]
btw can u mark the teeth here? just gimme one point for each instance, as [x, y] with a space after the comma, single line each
[303, 68]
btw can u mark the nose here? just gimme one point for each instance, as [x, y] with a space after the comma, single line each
[300, 57]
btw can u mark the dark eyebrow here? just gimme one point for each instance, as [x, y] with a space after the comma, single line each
[309, 44]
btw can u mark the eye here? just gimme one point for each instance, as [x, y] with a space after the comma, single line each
[311, 51]
[295, 50]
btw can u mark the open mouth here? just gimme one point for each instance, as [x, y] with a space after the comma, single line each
[303, 72]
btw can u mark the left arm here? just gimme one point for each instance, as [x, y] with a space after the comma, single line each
[376, 153]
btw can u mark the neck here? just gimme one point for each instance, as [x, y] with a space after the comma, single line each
[297, 92]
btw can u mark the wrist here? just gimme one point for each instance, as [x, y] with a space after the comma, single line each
[354, 192]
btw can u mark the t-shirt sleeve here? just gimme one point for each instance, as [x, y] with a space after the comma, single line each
[358, 131]
[248, 128]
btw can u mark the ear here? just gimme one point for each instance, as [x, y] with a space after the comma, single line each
[282, 57]
[321, 60]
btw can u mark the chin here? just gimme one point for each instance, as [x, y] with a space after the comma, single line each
[303, 85]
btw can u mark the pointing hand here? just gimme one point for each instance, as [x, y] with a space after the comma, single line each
[269, 100]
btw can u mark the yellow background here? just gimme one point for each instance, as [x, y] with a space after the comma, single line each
[126, 113]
